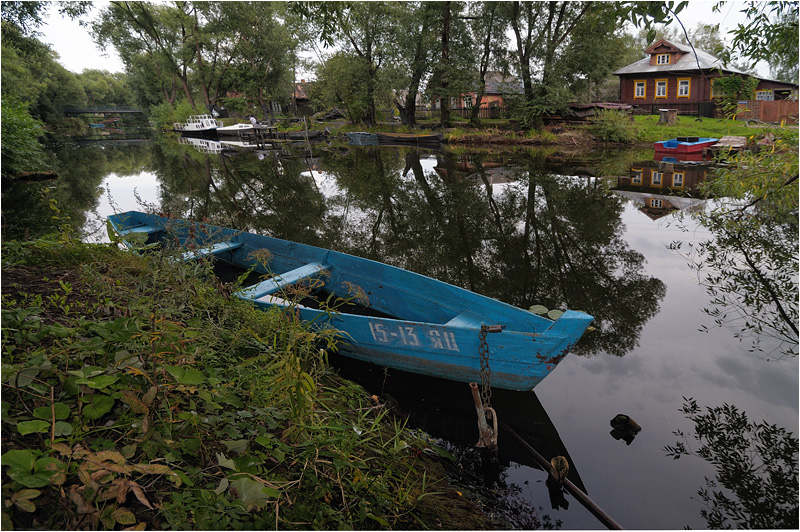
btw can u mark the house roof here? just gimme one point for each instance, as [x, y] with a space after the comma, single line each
[686, 62]
[496, 83]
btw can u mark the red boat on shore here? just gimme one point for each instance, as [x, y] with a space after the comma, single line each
[684, 145]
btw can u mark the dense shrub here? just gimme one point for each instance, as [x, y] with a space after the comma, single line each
[614, 126]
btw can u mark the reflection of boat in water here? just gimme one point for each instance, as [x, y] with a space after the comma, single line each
[235, 129]
[202, 145]
[445, 409]
[410, 139]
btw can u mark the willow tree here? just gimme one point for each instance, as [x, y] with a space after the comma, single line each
[153, 37]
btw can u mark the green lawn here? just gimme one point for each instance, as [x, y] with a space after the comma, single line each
[649, 130]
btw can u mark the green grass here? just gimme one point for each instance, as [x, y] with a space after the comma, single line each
[138, 392]
[649, 130]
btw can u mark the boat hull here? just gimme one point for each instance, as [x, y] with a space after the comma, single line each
[407, 321]
[409, 139]
[684, 145]
[361, 138]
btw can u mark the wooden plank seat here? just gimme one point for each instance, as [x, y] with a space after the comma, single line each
[273, 284]
[214, 249]
[139, 229]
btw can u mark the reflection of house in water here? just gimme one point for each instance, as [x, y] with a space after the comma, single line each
[661, 187]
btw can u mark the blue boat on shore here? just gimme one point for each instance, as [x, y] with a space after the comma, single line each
[388, 316]
[362, 138]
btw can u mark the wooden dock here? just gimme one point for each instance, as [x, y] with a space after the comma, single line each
[727, 144]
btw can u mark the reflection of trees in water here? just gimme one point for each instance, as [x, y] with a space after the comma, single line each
[756, 484]
[274, 194]
[749, 266]
[507, 229]
[81, 169]
[538, 239]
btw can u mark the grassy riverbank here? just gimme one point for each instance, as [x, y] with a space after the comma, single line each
[138, 393]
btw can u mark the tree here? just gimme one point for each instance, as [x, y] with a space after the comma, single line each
[159, 32]
[770, 34]
[749, 267]
[21, 150]
[487, 19]
[543, 34]
[104, 88]
[756, 465]
[263, 52]
[364, 30]
[342, 81]
[455, 64]
[412, 56]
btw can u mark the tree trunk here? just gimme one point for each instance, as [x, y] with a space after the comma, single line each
[444, 82]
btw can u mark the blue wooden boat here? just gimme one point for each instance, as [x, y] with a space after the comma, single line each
[362, 138]
[403, 320]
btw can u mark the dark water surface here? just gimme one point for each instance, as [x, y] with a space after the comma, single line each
[526, 228]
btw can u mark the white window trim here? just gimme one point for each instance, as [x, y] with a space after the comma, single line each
[684, 83]
[676, 182]
[657, 178]
[661, 83]
[659, 58]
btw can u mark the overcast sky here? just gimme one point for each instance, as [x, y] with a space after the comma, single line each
[77, 51]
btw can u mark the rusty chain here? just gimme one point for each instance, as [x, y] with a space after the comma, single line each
[486, 372]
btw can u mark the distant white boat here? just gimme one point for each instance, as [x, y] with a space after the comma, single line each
[197, 124]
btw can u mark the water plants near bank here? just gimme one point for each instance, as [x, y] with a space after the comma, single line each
[138, 393]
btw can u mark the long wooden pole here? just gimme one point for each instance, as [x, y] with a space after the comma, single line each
[572, 488]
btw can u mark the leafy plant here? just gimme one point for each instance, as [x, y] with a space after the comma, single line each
[729, 90]
[164, 402]
[756, 465]
[614, 126]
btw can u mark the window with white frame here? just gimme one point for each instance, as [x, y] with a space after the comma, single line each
[656, 203]
[662, 59]
[467, 101]
[765, 96]
[677, 179]
[657, 178]
[684, 87]
[636, 178]
[661, 88]
[640, 90]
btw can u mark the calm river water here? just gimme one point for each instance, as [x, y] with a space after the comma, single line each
[529, 227]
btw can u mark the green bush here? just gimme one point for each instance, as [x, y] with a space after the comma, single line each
[166, 114]
[21, 151]
[614, 126]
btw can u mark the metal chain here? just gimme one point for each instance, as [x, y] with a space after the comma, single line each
[486, 372]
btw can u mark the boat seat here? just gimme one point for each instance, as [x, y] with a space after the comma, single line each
[139, 229]
[467, 320]
[273, 284]
[214, 249]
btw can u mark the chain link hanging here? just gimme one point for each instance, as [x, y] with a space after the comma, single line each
[486, 372]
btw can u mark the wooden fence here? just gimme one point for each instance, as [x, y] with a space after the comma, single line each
[490, 112]
[775, 112]
[704, 109]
